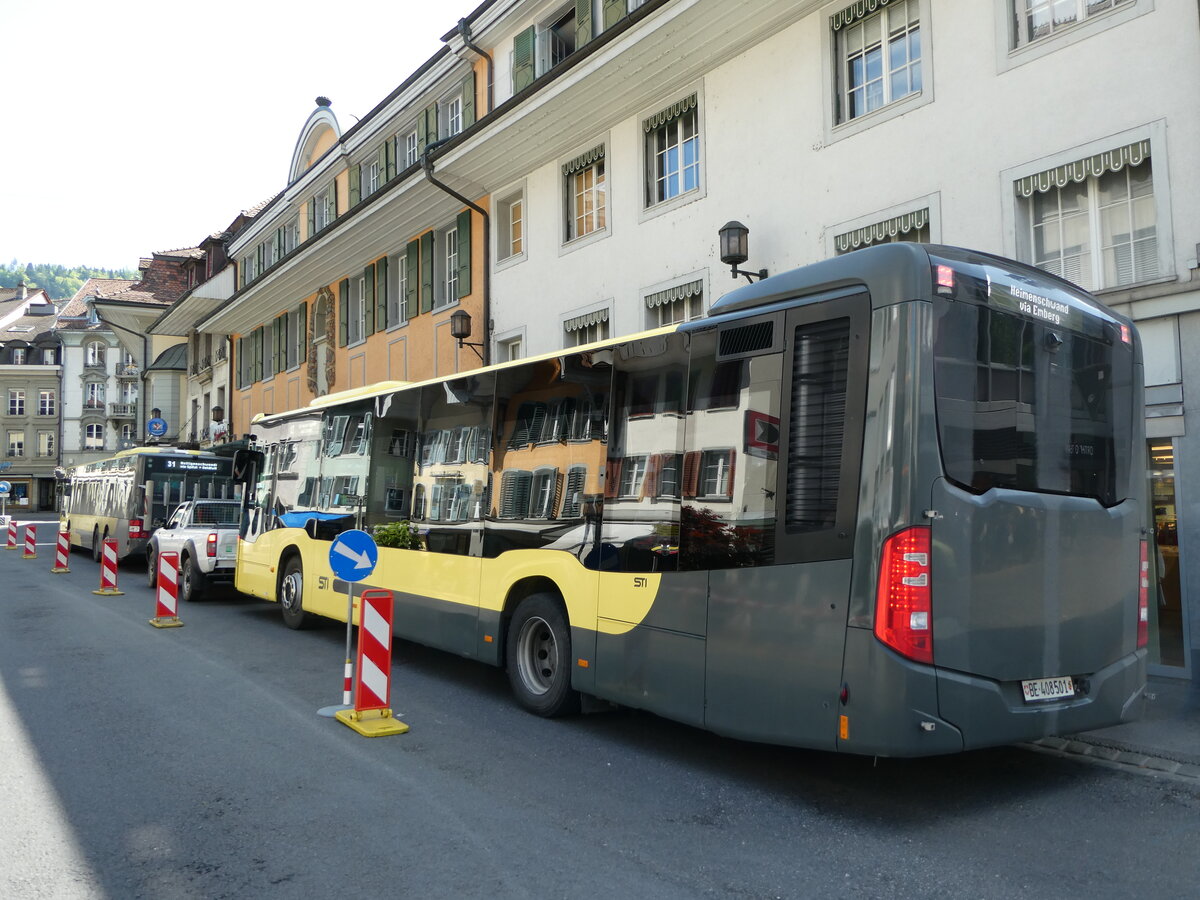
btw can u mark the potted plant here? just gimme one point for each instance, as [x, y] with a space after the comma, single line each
[402, 535]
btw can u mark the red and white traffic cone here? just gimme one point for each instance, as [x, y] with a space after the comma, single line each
[12, 535]
[62, 553]
[108, 570]
[30, 542]
[372, 715]
[167, 595]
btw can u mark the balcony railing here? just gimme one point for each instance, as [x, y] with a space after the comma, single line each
[92, 403]
[221, 353]
[93, 364]
[128, 371]
[122, 410]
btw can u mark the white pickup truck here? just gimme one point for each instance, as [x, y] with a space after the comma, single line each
[204, 533]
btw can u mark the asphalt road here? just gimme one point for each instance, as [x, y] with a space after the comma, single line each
[190, 762]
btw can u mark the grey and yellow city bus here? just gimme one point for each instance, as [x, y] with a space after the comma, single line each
[890, 503]
[127, 495]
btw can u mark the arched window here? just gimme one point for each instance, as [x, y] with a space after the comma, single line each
[96, 353]
[320, 319]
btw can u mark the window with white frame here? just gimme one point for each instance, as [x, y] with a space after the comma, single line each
[95, 353]
[672, 151]
[357, 320]
[878, 56]
[556, 39]
[93, 395]
[510, 219]
[93, 436]
[323, 209]
[585, 194]
[18, 356]
[16, 443]
[397, 308]
[411, 148]
[295, 336]
[586, 329]
[47, 403]
[543, 493]
[127, 433]
[1037, 19]
[1094, 222]
[450, 116]
[670, 474]
[509, 349]
[49, 356]
[16, 403]
[681, 303]
[445, 266]
[913, 227]
[45, 443]
[633, 475]
[715, 469]
[370, 177]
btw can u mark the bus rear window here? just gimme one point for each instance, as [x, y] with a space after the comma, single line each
[1030, 405]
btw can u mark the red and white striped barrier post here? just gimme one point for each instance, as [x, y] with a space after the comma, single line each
[372, 715]
[12, 535]
[108, 570]
[30, 542]
[167, 594]
[62, 553]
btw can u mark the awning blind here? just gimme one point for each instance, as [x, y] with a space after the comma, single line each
[674, 111]
[880, 231]
[592, 318]
[583, 160]
[1060, 176]
[671, 294]
[855, 11]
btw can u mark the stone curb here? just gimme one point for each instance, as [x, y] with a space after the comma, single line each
[1120, 754]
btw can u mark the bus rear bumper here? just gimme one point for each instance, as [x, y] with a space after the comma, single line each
[989, 713]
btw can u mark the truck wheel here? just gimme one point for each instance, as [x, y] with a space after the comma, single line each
[538, 657]
[291, 594]
[193, 582]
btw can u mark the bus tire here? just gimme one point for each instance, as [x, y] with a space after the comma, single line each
[192, 582]
[291, 594]
[151, 568]
[96, 543]
[538, 657]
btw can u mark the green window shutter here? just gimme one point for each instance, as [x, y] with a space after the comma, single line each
[355, 173]
[523, 59]
[583, 22]
[259, 338]
[280, 336]
[381, 160]
[412, 270]
[463, 226]
[333, 200]
[614, 12]
[422, 134]
[302, 331]
[312, 217]
[259, 258]
[431, 123]
[381, 295]
[389, 159]
[368, 300]
[468, 100]
[427, 271]
[343, 312]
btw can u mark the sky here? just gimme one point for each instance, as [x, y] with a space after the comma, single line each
[146, 126]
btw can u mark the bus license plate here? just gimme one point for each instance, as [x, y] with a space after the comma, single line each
[1048, 689]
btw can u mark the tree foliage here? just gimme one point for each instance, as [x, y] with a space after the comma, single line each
[59, 282]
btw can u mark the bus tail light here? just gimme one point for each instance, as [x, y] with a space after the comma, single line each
[1143, 632]
[135, 529]
[212, 544]
[903, 607]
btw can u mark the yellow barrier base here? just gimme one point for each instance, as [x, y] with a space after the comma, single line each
[57, 571]
[109, 592]
[28, 556]
[371, 722]
[166, 622]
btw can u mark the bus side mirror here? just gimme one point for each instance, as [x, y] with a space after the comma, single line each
[246, 466]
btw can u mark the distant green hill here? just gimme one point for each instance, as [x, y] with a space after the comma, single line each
[60, 282]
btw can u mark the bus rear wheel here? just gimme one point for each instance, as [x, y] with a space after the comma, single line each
[538, 657]
[96, 548]
[291, 594]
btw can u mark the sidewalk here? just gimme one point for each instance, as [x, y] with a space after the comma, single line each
[1166, 738]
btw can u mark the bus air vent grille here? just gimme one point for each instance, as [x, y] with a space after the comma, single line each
[747, 339]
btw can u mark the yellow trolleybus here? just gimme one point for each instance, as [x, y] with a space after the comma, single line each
[890, 503]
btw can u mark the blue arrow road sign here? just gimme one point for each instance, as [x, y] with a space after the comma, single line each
[157, 427]
[353, 555]
[5, 487]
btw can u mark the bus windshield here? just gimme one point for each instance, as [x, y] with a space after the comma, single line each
[1034, 388]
